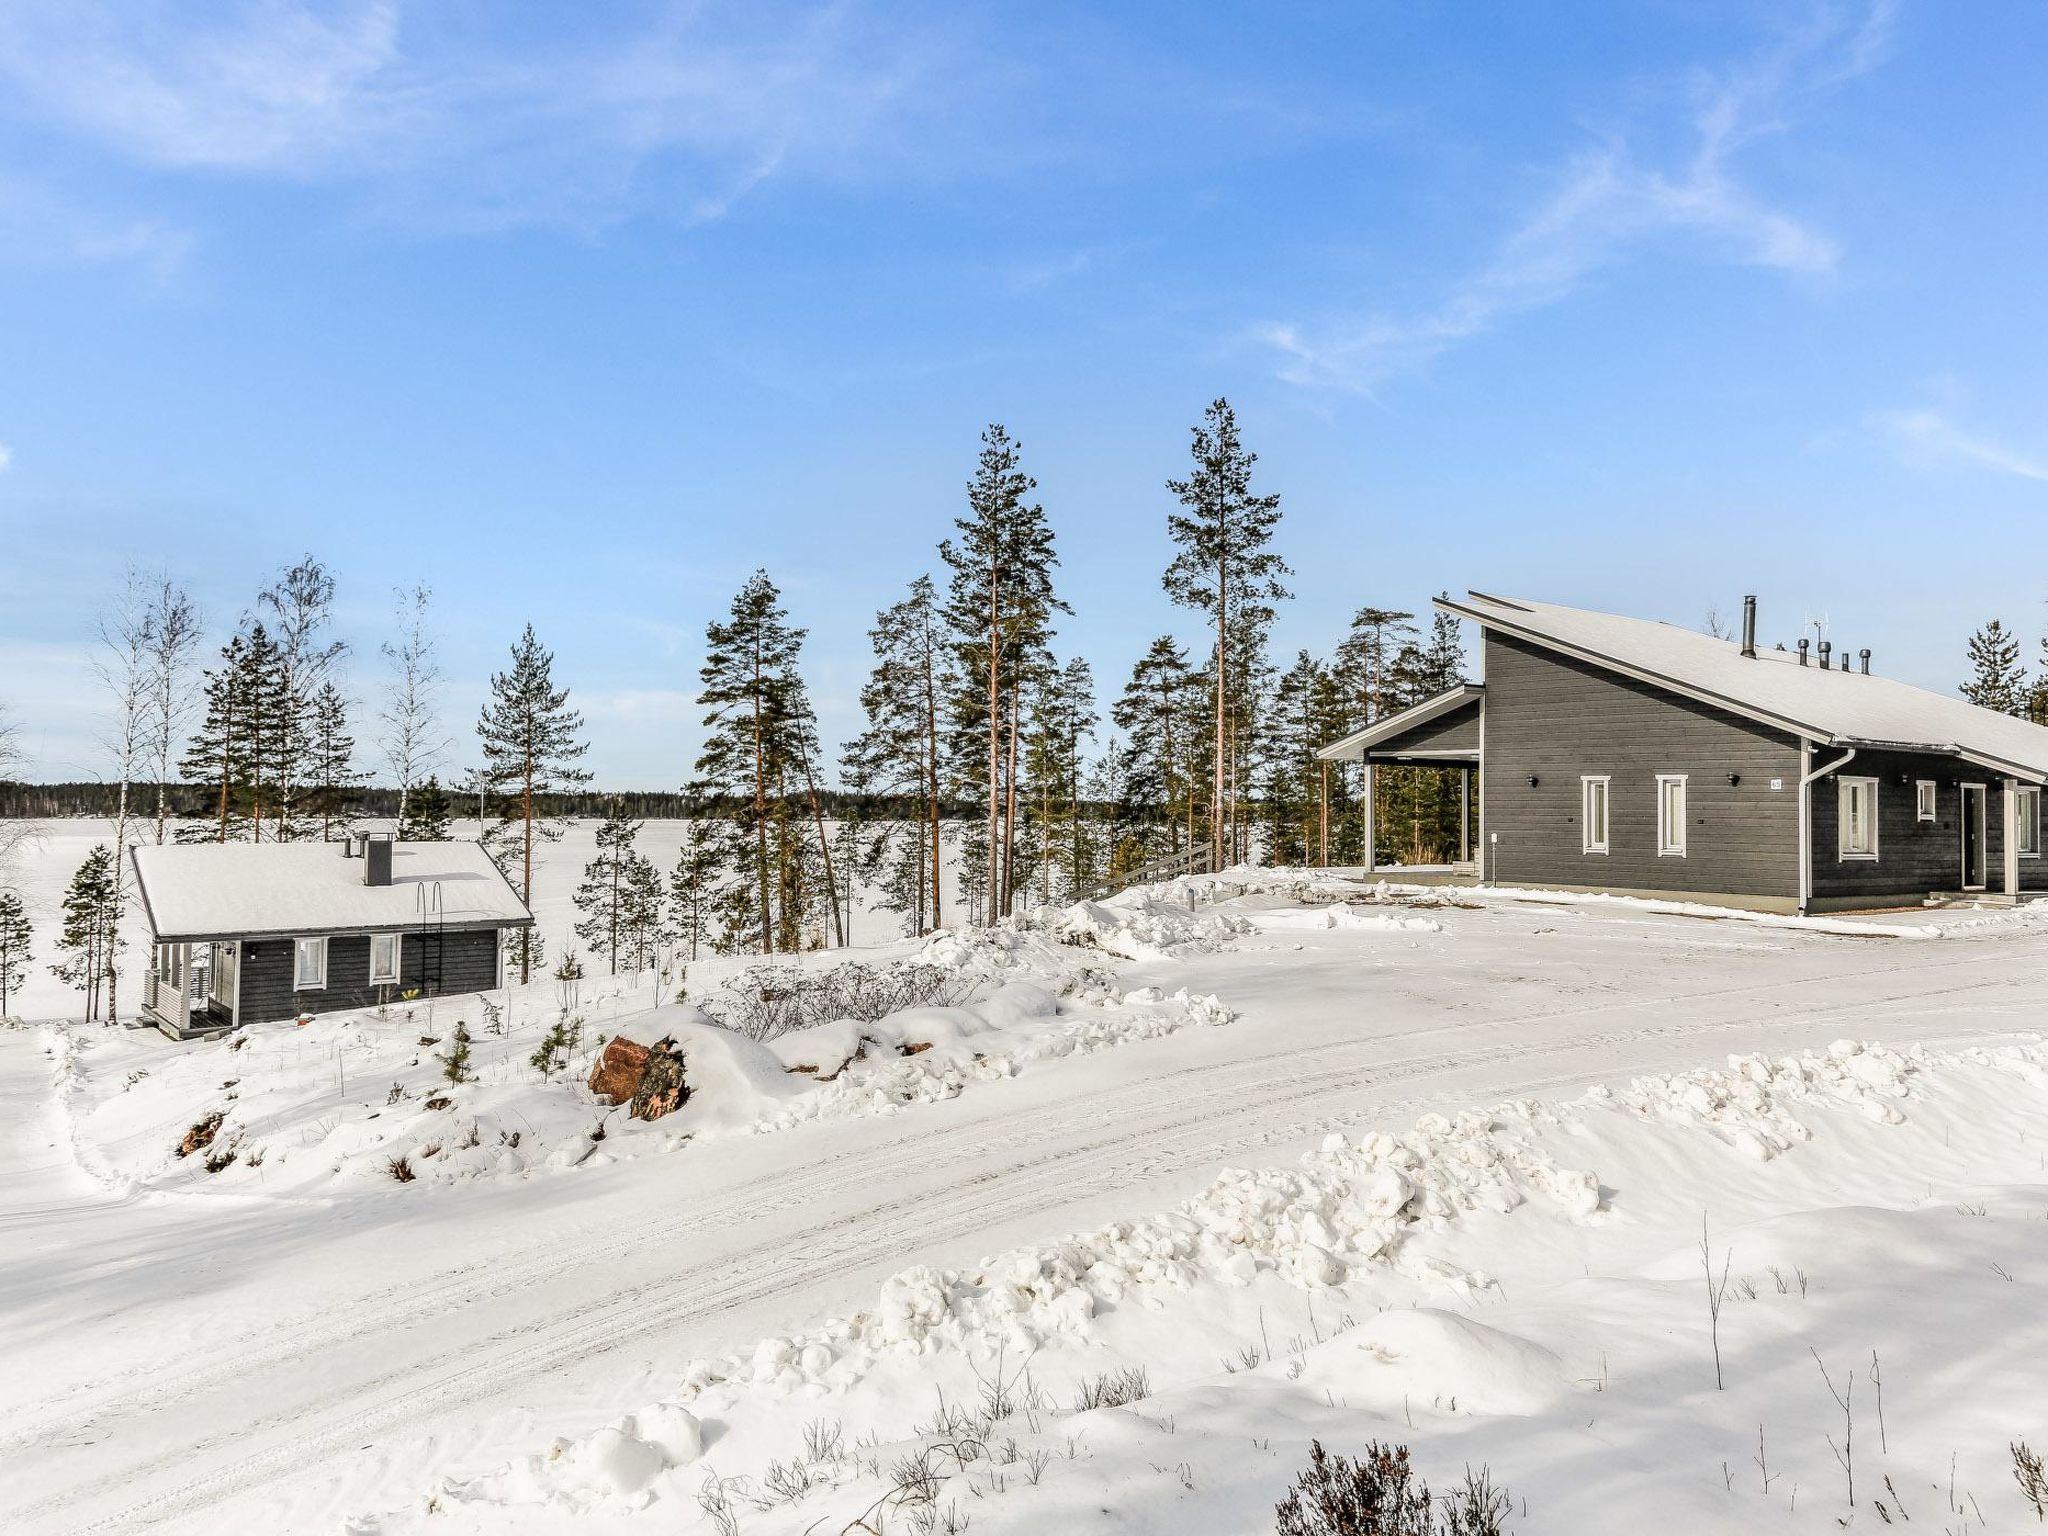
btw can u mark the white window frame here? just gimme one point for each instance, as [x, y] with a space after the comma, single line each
[1843, 852]
[1588, 843]
[1926, 799]
[397, 942]
[299, 953]
[2026, 810]
[1671, 839]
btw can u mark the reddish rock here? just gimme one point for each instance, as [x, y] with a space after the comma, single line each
[620, 1066]
[201, 1135]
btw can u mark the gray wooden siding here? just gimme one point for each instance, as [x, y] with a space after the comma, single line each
[1457, 731]
[1556, 718]
[463, 960]
[1913, 857]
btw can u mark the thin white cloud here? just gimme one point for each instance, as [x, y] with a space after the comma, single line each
[689, 113]
[1927, 435]
[6, 458]
[1607, 204]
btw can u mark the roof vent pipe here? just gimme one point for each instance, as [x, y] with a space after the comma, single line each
[1845, 658]
[1802, 652]
[1864, 656]
[1749, 627]
[1825, 647]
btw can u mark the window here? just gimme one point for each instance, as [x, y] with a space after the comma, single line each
[1593, 806]
[1671, 815]
[1857, 800]
[1923, 799]
[309, 965]
[2027, 806]
[383, 959]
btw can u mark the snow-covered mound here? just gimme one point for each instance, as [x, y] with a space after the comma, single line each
[376, 1098]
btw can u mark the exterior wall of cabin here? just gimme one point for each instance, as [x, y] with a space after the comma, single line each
[460, 960]
[1914, 857]
[1557, 719]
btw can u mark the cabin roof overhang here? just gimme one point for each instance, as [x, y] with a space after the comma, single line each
[1358, 744]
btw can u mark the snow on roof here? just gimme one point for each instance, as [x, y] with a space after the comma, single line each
[239, 890]
[1841, 709]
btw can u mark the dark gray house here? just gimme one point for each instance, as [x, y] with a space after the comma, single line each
[250, 932]
[1617, 754]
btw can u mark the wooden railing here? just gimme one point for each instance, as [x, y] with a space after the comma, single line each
[1167, 866]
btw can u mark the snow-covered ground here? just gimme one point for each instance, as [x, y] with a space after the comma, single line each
[1432, 1169]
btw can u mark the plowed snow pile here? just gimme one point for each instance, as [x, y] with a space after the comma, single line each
[371, 1098]
[1472, 1288]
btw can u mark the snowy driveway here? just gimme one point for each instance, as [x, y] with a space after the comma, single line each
[200, 1362]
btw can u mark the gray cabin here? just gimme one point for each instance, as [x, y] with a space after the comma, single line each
[1612, 754]
[245, 933]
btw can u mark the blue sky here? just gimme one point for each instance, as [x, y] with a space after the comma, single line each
[578, 314]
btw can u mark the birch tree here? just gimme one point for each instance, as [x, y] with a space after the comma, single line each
[411, 737]
[1225, 569]
[126, 670]
[301, 608]
[174, 633]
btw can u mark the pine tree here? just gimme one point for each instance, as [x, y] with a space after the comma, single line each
[15, 956]
[644, 923]
[898, 755]
[556, 1046]
[331, 778]
[1062, 716]
[219, 755]
[1155, 708]
[999, 608]
[455, 1060]
[427, 813]
[530, 746]
[757, 752]
[693, 887]
[1225, 569]
[602, 897]
[1997, 680]
[90, 939]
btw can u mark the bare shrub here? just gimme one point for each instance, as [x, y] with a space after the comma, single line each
[400, 1168]
[1113, 1389]
[765, 1001]
[2033, 1480]
[1475, 1507]
[1375, 1496]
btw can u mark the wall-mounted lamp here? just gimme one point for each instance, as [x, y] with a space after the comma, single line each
[1532, 781]
[1734, 779]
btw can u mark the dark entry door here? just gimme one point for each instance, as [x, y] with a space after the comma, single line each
[1973, 837]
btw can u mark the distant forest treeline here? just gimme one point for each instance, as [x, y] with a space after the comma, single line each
[191, 802]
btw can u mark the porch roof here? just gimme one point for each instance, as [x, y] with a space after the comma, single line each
[1389, 730]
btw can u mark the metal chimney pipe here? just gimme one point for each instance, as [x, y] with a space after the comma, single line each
[1845, 658]
[1825, 647]
[1749, 627]
[1864, 655]
[1803, 643]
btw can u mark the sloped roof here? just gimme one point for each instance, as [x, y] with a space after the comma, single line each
[1834, 708]
[200, 891]
[1355, 746]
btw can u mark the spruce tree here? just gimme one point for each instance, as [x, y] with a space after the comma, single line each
[602, 897]
[427, 813]
[1997, 680]
[15, 956]
[644, 923]
[219, 756]
[90, 939]
[330, 776]
[300, 605]
[1225, 569]
[999, 607]
[531, 748]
